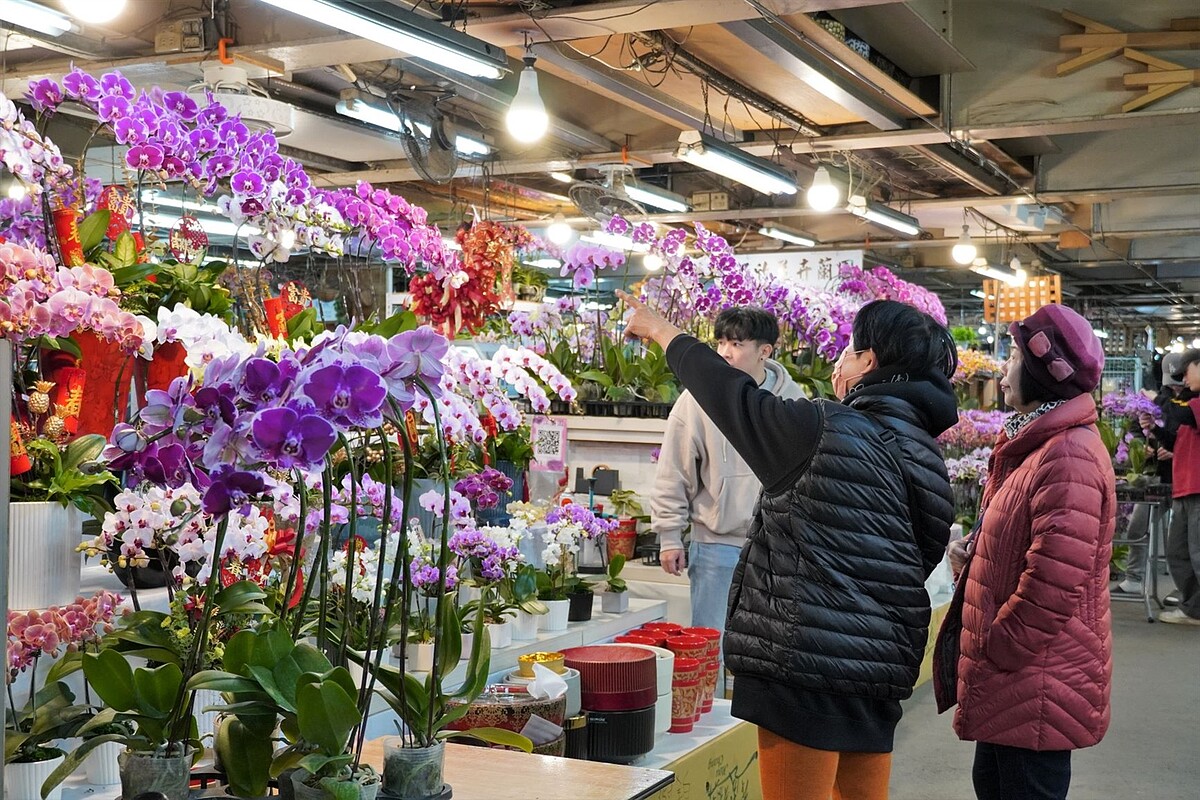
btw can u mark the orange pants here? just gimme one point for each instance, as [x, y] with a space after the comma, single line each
[791, 771]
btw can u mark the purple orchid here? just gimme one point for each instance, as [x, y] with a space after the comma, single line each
[417, 355]
[144, 156]
[231, 489]
[347, 396]
[289, 439]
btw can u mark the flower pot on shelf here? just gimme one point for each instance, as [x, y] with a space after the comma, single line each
[623, 540]
[525, 626]
[169, 776]
[43, 565]
[500, 634]
[557, 617]
[102, 764]
[23, 781]
[302, 791]
[614, 602]
[413, 773]
[581, 607]
[418, 656]
[498, 514]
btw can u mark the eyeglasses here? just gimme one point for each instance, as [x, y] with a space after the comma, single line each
[842, 357]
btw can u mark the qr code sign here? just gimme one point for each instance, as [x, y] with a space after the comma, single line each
[549, 439]
[548, 443]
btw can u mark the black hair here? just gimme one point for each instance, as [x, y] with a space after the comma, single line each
[1032, 391]
[905, 339]
[1189, 357]
[747, 323]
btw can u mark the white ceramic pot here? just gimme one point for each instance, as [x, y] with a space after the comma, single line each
[418, 657]
[665, 665]
[525, 626]
[24, 781]
[102, 766]
[43, 566]
[501, 634]
[614, 602]
[206, 721]
[662, 714]
[556, 619]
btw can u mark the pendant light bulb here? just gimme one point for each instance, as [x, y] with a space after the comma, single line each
[653, 262]
[823, 194]
[527, 120]
[1015, 263]
[964, 249]
[559, 232]
[94, 11]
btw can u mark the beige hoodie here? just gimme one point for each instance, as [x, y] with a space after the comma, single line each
[701, 480]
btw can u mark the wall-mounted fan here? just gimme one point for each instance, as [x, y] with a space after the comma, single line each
[601, 201]
[428, 138]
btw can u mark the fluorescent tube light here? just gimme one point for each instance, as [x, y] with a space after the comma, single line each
[545, 263]
[882, 215]
[996, 274]
[614, 241]
[785, 236]
[562, 177]
[1100, 333]
[759, 174]
[653, 196]
[35, 17]
[362, 111]
[404, 31]
[155, 198]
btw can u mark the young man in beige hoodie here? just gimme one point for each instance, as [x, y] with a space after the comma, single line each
[702, 482]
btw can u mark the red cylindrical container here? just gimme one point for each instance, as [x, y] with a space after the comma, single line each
[18, 458]
[685, 694]
[68, 394]
[614, 677]
[689, 646]
[668, 628]
[66, 227]
[634, 638]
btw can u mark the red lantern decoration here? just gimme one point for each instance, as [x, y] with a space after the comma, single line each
[18, 457]
[66, 227]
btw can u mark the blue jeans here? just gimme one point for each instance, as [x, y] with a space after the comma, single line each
[1001, 772]
[710, 572]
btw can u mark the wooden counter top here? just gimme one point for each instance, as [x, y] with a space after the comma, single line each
[482, 773]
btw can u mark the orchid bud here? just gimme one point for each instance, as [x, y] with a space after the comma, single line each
[130, 440]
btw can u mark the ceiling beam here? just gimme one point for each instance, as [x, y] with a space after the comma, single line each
[618, 17]
[966, 170]
[632, 92]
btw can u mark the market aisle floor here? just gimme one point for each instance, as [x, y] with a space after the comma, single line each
[1150, 752]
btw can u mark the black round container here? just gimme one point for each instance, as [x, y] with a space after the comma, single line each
[620, 737]
[576, 728]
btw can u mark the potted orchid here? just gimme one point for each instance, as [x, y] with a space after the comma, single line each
[32, 732]
[486, 557]
[615, 599]
[568, 597]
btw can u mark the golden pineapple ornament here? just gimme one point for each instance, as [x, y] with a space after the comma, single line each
[54, 427]
[39, 398]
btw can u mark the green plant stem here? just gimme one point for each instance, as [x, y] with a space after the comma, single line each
[405, 565]
[206, 614]
[443, 559]
[351, 556]
[322, 565]
[298, 548]
[319, 559]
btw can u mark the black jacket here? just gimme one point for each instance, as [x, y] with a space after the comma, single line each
[829, 593]
[828, 614]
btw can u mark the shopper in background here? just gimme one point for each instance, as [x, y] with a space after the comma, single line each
[1035, 663]
[1161, 442]
[828, 614]
[1183, 538]
[703, 482]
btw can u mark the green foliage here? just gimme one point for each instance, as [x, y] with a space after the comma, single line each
[387, 328]
[964, 335]
[615, 582]
[812, 372]
[627, 375]
[625, 504]
[513, 447]
[521, 590]
[67, 475]
[195, 285]
[49, 715]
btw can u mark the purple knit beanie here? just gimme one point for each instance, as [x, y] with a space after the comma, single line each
[1061, 353]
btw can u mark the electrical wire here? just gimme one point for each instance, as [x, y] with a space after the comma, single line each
[965, 148]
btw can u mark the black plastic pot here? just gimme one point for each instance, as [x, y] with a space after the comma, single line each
[580, 609]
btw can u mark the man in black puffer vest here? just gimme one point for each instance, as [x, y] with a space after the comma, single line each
[828, 614]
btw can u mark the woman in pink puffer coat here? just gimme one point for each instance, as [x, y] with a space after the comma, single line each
[1035, 653]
